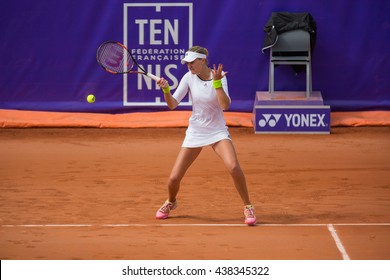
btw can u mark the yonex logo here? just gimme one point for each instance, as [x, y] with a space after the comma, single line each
[293, 120]
[270, 119]
[305, 120]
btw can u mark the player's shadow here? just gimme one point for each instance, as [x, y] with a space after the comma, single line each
[204, 219]
[280, 218]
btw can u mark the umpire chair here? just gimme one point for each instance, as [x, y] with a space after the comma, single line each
[292, 48]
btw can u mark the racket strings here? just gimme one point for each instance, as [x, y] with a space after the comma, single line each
[114, 58]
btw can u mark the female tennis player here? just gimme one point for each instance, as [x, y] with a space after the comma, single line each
[207, 126]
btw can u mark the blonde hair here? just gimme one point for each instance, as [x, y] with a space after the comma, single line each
[199, 49]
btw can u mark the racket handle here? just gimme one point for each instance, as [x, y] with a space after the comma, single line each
[153, 77]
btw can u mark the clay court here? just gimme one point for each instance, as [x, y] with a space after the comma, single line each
[92, 193]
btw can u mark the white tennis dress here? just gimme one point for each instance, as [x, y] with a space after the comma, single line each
[207, 124]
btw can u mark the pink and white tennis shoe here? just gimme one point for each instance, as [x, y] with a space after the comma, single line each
[164, 210]
[250, 218]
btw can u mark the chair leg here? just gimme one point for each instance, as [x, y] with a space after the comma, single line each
[271, 79]
[311, 79]
[308, 82]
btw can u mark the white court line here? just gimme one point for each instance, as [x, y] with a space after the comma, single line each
[339, 244]
[330, 227]
[192, 225]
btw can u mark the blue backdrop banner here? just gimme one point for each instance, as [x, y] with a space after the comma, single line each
[48, 51]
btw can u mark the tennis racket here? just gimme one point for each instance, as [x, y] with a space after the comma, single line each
[115, 58]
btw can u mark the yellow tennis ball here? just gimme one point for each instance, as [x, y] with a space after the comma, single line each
[91, 98]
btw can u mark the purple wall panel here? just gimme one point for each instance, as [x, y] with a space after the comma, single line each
[47, 51]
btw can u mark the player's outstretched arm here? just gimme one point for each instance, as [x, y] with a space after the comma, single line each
[171, 102]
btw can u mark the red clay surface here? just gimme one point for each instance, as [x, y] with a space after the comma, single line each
[76, 193]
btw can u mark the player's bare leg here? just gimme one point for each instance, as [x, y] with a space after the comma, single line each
[227, 153]
[184, 160]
